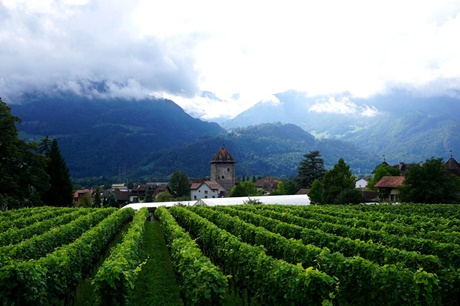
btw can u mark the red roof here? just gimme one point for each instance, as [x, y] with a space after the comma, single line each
[222, 155]
[390, 182]
[82, 192]
[213, 185]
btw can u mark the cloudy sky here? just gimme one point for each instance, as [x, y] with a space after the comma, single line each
[217, 58]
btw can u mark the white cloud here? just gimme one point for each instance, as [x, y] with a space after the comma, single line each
[342, 106]
[243, 51]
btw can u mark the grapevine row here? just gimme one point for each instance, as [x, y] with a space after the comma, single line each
[450, 211]
[48, 280]
[20, 221]
[201, 282]
[377, 253]
[8, 215]
[449, 253]
[40, 245]
[360, 281]
[114, 281]
[270, 280]
[447, 236]
[14, 235]
[422, 222]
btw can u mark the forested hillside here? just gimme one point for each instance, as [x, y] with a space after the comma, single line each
[268, 149]
[400, 125]
[100, 137]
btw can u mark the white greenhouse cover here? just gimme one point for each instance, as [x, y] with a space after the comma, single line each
[299, 199]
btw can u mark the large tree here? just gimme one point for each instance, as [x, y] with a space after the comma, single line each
[336, 180]
[429, 183]
[380, 171]
[244, 189]
[22, 176]
[60, 192]
[311, 168]
[179, 184]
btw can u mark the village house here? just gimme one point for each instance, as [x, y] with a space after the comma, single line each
[79, 194]
[268, 184]
[388, 187]
[206, 189]
[361, 183]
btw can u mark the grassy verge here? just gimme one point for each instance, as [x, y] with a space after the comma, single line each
[156, 283]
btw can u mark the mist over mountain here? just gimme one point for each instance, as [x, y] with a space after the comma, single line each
[401, 125]
[107, 137]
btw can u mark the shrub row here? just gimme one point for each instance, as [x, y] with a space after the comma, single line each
[422, 222]
[7, 215]
[38, 246]
[114, 281]
[444, 232]
[26, 217]
[201, 282]
[284, 224]
[360, 281]
[48, 280]
[14, 235]
[270, 281]
[448, 253]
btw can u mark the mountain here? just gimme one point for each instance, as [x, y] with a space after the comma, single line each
[401, 126]
[267, 149]
[107, 137]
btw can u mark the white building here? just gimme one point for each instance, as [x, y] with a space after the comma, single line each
[205, 190]
[361, 183]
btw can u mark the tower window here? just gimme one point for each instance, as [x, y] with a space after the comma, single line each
[228, 169]
[223, 177]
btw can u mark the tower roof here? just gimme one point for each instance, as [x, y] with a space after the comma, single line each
[223, 156]
[452, 166]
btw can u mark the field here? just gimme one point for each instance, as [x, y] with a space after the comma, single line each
[232, 255]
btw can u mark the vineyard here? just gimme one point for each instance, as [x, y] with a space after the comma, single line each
[255, 254]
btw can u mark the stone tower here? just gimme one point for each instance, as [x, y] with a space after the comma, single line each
[223, 169]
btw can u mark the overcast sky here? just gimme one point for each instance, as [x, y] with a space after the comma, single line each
[217, 58]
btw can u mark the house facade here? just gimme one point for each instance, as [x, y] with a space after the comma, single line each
[268, 184]
[206, 190]
[388, 187]
[361, 183]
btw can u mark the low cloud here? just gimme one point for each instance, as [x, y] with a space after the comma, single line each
[342, 106]
[67, 43]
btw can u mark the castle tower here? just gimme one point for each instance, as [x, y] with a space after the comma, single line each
[223, 169]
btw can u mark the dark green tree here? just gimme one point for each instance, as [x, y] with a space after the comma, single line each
[290, 186]
[112, 200]
[148, 194]
[381, 171]
[280, 189]
[429, 183]
[350, 196]
[44, 146]
[179, 184]
[23, 179]
[97, 197]
[316, 192]
[243, 189]
[310, 169]
[60, 192]
[336, 180]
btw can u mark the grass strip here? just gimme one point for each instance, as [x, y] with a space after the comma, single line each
[156, 283]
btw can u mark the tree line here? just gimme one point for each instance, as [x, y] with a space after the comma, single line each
[31, 174]
[427, 182]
